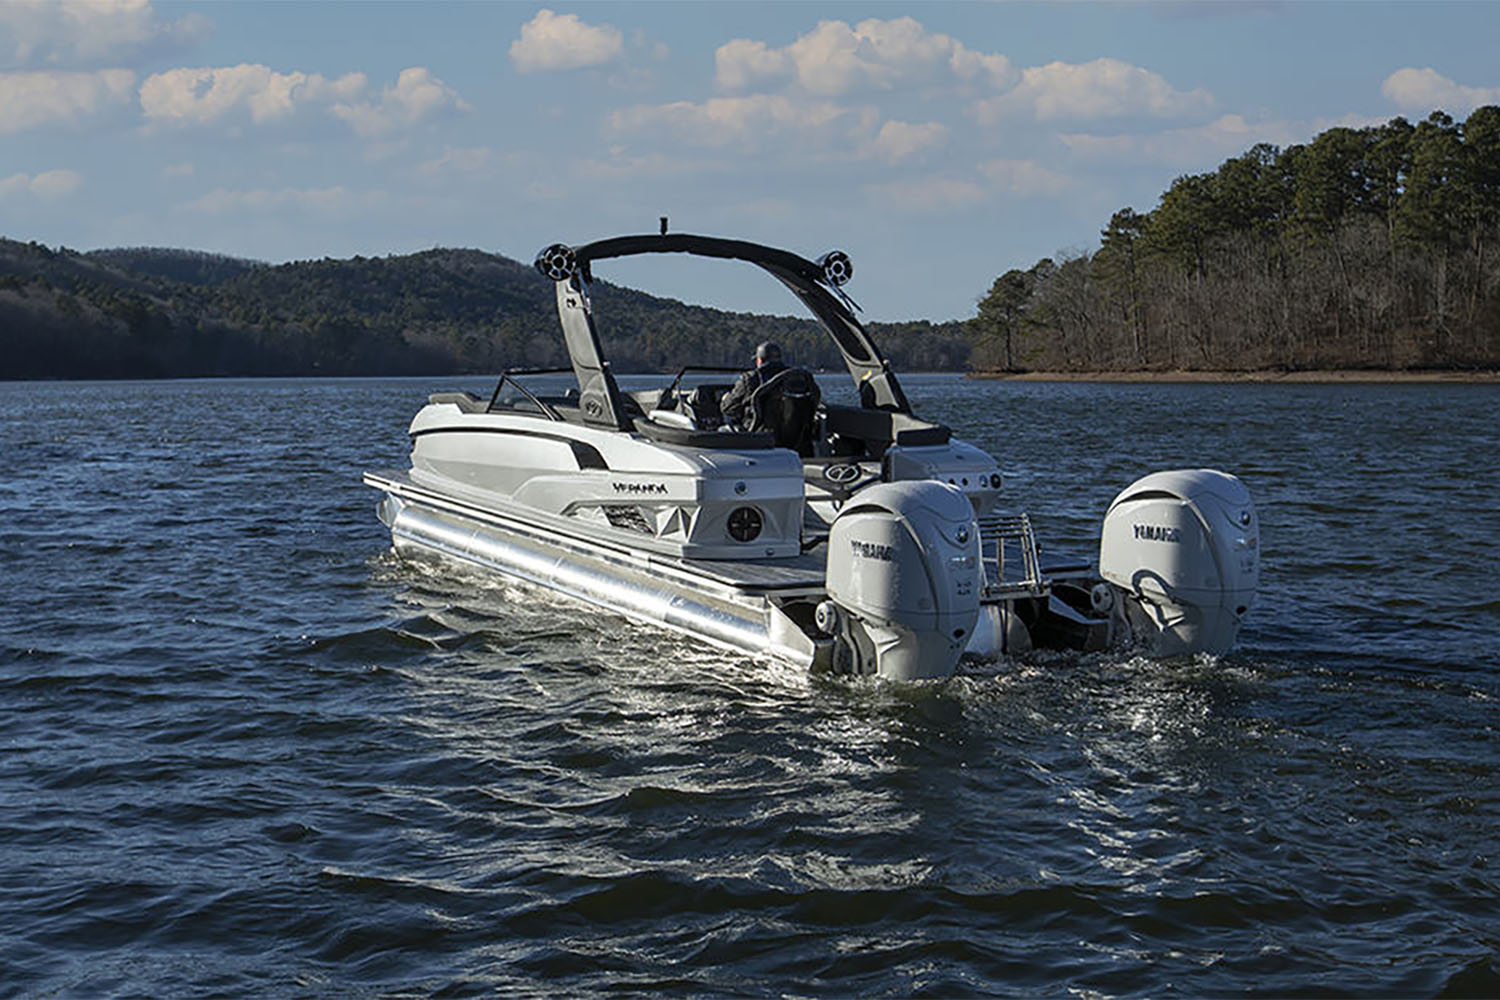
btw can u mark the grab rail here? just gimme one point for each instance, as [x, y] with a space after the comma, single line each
[510, 375]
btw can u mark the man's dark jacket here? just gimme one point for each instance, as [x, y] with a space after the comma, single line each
[736, 402]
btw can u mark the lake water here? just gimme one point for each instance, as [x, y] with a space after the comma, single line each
[247, 751]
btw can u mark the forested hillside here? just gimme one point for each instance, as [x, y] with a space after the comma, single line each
[155, 313]
[1376, 247]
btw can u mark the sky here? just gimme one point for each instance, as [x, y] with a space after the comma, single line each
[939, 144]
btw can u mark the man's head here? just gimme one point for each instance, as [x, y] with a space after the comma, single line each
[767, 352]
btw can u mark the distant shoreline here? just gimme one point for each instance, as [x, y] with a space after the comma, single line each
[1330, 376]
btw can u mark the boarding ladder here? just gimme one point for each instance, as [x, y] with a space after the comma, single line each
[1006, 540]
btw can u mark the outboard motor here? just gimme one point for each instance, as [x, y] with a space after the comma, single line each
[1181, 550]
[904, 580]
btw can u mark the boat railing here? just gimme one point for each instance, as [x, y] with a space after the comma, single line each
[509, 375]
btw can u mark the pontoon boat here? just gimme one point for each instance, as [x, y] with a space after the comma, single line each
[851, 538]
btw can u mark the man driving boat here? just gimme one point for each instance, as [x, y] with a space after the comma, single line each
[735, 404]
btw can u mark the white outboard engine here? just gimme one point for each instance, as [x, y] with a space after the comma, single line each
[1182, 548]
[904, 580]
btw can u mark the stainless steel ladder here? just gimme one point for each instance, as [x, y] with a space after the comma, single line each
[997, 534]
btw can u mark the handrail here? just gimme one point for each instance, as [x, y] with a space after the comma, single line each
[509, 374]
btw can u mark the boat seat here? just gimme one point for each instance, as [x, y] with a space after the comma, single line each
[696, 408]
[716, 439]
[703, 403]
[786, 405]
[465, 401]
[672, 418]
[877, 430]
[646, 399]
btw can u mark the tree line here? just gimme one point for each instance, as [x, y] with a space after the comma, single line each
[1373, 247]
[148, 312]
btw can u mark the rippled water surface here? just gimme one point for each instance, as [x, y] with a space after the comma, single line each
[247, 751]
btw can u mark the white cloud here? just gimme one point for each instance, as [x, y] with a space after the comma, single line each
[87, 32]
[927, 194]
[741, 62]
[208, 96]
[185, 169]
[56, 183]
[1428, 90]
[204, 96]
[1104, 88]
[834, 59]
[723, 121]
[995, 70]
[898, 140]
[760, 122]
[48, 186]
[416, 95]
[561, 41]
[31, 99]
[327, 201]
[1025, 177]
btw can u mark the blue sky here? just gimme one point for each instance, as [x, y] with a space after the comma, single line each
[940, 144]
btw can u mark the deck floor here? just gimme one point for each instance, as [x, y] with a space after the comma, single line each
[806, 570]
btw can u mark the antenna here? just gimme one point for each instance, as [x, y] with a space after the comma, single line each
[664, 225]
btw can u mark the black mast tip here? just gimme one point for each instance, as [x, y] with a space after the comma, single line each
[664, 225]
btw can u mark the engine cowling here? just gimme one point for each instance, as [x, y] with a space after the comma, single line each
[904, 579]
[1182, 547]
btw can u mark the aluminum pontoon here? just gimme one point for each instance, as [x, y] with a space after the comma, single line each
[859, 539]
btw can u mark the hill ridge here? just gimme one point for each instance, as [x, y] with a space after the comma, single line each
[171, 312]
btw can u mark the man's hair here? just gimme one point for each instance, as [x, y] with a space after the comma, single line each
[768, 351]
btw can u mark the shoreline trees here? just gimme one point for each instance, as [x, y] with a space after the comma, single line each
[1376, 247]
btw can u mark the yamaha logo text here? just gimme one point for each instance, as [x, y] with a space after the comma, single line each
[870, 550]
[1158, 533]
[640, 487]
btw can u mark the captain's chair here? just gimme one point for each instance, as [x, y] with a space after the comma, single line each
[785, 405]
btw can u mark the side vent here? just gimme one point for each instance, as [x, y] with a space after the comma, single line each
[627, 517]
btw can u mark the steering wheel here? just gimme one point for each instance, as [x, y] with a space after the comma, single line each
[842, 481]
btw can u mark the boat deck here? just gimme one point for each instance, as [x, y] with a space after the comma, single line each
[806, 570]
